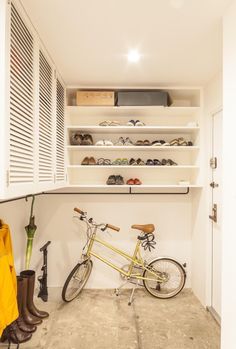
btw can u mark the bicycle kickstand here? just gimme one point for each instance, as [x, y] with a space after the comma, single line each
[132, 294]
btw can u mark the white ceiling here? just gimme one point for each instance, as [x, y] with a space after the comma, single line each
[180, 40]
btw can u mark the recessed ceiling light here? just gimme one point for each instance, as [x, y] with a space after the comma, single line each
[133, 56]
[177, 3]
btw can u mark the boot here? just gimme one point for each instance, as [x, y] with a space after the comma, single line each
[29, 319]
[30, 276]
[23, 326]
[14, 334]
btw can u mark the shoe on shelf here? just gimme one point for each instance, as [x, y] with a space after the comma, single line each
[100, 142]
[190, 143]
[149, 162]
[156, 162]
[146, 142]
[109, 123]
[87, 140]
[174, 142]
[119, 180]
[116, 161]
[132, 162]
[137, 181]
[164, 162]
[131, 123]
[140, 162]
[128, 142]
[139, 123]
[130, 181]
[171, 162]
[124, 161]
[120, 142]
[111, 180]
[76, 138]
[156, 143]
[92, 161]
[139, 143]
[85, 161]
[108, 142]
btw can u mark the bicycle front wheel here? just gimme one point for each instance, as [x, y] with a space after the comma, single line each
[164, 278]
[76, 280]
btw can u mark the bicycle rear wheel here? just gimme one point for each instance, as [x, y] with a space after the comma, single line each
[76, 280]
[172, 274]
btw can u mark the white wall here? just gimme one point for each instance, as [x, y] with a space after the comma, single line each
[229, 177]
[54, 218]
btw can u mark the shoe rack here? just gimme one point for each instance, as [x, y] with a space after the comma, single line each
[181, 119]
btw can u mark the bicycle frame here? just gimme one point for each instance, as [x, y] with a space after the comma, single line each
[136, 259]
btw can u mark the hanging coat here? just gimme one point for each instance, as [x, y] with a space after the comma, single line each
[8, 283]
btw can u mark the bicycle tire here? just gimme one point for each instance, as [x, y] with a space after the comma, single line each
[162, 290]
[68, 283]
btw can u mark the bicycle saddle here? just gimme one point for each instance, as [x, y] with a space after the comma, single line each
[147, 228]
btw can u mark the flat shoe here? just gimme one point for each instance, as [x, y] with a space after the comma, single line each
[146, 142]
[128, 142]
[108, 142]
[100, 161]
[171, 162]
[120, 141]
[92, 161]
[87, 140]
[139, 142]
[130, 181]
[137, 181]
[163, 162]
[156, 143]
[85, 161]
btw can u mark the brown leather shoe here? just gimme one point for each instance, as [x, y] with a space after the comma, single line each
[13, 334]
[92, 161]
[23, 326]
[85, 161]
[29, 275]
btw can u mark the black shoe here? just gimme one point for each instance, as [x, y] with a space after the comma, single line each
[119, 180]
[111, 180]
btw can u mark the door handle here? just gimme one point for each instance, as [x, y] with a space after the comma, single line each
[214, 185]
[213, 217]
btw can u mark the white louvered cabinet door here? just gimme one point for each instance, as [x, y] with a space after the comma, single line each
[21, 107]
[60, 133]
[46, 124]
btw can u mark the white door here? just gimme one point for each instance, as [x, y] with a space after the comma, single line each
[216, 185]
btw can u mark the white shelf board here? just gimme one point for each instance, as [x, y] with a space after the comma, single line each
[161, 167]
[147, 110]
[134, 129]
[102, 186]
[135, 147]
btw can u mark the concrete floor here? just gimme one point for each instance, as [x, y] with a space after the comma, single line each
[99, 319]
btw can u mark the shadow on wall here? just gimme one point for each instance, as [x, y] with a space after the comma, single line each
[170, 214]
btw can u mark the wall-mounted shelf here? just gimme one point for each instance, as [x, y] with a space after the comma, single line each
[136, 148]
[182, 119]
[134, 129]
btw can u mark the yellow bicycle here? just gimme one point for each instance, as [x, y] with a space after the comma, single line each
[163, 277]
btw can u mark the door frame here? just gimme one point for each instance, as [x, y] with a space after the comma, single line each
[209, 240]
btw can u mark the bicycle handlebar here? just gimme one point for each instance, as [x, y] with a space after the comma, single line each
[112, 227]
[78, 210]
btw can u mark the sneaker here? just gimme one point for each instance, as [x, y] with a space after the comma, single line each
[139, 123]
[111, 180]
[120, 141]
[76, 138]
[87, 140]
[119, 180]
[131, 123]
[128, 142]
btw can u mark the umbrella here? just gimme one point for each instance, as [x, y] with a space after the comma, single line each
[30, 231]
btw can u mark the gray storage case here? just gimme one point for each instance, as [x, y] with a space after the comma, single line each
[143, 97]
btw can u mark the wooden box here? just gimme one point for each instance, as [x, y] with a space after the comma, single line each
[95, 98]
